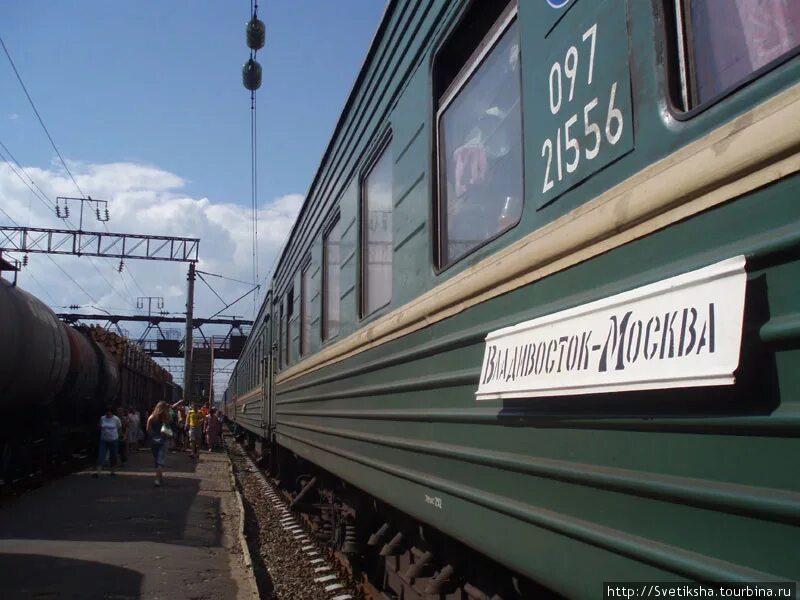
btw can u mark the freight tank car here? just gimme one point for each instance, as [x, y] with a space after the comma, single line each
[55, 381]
[536, 325]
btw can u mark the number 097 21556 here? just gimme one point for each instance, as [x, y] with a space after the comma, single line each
[588, 106]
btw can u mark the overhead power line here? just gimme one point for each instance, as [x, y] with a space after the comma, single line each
[57, 266]
[19, 171]
[223, 277]
[203, 279]
[39, 193]
[226, 307]
[43, 197]
[39, 117]
[8, 216]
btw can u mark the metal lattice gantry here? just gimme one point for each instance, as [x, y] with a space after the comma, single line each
[225, 347]
[97, 243]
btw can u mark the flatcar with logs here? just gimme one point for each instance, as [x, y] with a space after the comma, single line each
[537, 325]
[56, 380]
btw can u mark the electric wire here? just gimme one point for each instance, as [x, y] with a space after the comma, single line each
[253, 185]
[8, 216]
[255, 288]
[254, 166]
[224, 277]
[21, 174]
[41, 287]
[39, 117]
[67, 275]
[203, 279]
[60, 158]
[16, 162]
[16, 171]
[50, 258]
[135, 282]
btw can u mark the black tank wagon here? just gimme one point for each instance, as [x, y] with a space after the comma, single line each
[536, 325]
[55, 381]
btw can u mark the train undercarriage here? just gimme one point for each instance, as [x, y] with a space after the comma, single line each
[392, 555]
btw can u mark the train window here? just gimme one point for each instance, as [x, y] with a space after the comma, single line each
[331, 272]
[724, 43]
[305, 309]
[289, 313]
[479, 131]
[376, 261]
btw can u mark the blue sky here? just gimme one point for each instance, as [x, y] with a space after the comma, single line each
[145, 102]
[159, 82]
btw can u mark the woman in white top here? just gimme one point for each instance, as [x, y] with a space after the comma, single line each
[109, 426]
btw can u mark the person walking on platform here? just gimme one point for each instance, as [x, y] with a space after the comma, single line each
[213, 430]
[194, 422]
[132, 437]
[158, 429]
[110, 427]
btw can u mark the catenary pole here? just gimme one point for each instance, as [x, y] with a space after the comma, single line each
[187, 348]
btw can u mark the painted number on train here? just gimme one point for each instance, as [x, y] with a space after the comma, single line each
[680, 332]
[434, 501]
[584, 116]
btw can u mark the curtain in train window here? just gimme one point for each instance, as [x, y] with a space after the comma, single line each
[729, 40]
[331, 259]
[377, 235]
[480, 149]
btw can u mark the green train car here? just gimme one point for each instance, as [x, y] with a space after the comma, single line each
[537, 325]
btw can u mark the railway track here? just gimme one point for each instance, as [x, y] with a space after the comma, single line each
[288, 562]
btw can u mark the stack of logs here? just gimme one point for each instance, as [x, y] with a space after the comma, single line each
[127, 353]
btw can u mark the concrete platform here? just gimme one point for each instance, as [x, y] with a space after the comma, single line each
[120, 538]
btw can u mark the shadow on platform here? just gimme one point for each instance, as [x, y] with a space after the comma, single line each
[125, 508]
[142, 462]
[38, 577]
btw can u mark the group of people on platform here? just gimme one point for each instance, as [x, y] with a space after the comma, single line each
[168, 427]
[198, 426]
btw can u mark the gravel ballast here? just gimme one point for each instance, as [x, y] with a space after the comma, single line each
[287, 562]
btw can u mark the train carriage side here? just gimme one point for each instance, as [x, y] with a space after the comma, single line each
[593, 187]
[248, 388]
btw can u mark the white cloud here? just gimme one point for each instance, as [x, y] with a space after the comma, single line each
[145, 199]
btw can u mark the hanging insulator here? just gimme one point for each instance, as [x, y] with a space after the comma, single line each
[251, 75]
[107, 217]
[25, 260]
[66, 211]
[256, 33]
[121, 265]
[58, 211]
[97, 212]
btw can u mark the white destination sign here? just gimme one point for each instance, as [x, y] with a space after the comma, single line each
[680, 332]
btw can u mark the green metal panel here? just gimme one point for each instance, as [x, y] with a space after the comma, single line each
[316, 296]
[348, 206]
[411, 192]
[398, 51]
[633, 482]
[650, 485]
